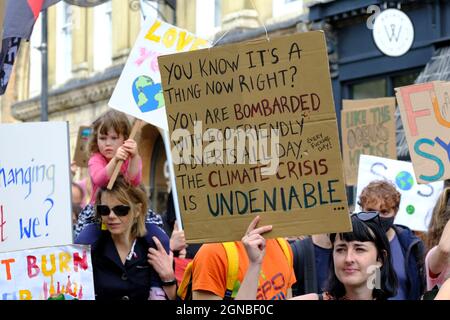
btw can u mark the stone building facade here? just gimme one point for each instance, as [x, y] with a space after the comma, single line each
[82, 93]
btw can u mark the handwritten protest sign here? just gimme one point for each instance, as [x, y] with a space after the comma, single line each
[417, 201]
[425, 115]
[253, 131]
[81, 156]
[40, 273]
[138, 91]
[35, 201]
[368, 127]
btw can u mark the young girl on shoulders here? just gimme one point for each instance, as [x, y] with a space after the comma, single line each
[109, 145]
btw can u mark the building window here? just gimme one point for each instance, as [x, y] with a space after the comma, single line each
[369, 89]
[63, 42]
[209, 18]
[287, 7]
[404, 79]
[381, 87]
[102, 36]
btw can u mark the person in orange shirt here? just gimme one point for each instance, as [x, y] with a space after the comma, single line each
[210, 264]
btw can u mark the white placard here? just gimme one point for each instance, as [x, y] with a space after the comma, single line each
[38, 274]
[35, 200]
[138, 91]
[417, 200]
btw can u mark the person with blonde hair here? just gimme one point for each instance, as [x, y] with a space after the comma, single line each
[131, 258]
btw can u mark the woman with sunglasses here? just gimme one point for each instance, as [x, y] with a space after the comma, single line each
[129, 259]
[360, 269]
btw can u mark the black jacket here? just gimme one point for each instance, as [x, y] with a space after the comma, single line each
[114, 280]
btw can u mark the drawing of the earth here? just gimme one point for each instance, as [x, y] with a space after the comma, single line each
[404, 180]
[147, 95]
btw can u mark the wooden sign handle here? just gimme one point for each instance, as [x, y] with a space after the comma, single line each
[134, 130]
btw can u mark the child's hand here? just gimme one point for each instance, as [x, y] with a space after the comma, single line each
[131, 147]
[121, 154]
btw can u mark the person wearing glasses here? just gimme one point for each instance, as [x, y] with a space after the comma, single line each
[408, 251]
[360, 268]
[131, 259]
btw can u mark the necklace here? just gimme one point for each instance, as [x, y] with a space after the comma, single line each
[132, 254]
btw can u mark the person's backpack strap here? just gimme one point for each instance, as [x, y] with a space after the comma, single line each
[304, 267]
[233, 268]
[299, 268]
[285, 247]
[309, 262]
[185, 289]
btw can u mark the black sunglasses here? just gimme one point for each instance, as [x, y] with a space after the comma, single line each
[368, 216]
[120, 210]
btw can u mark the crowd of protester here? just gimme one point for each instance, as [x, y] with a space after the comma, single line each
[139, 254]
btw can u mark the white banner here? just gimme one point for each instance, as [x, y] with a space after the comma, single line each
[417, 200]
[35, 200]
[38, 274]
[138, 91]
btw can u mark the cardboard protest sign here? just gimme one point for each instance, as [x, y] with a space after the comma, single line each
[368, 127]
[138, 91]
[35, 200]
[38, 274]
[81, 156]
[417, 201]
[426, 119]
[253, 131]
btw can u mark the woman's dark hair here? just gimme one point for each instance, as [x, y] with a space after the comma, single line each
[367, 231]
